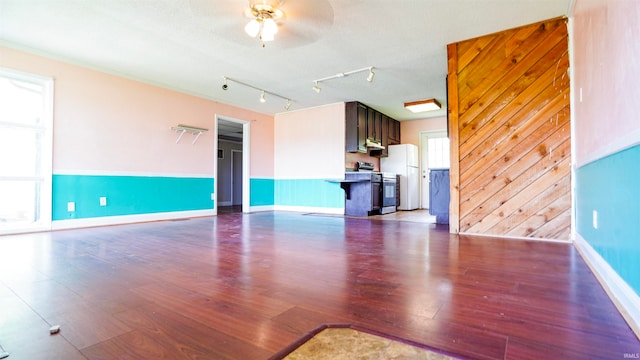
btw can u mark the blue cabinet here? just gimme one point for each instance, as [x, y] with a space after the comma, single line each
[439, 195]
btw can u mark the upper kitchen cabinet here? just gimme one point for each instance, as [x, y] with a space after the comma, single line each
[384, 136]
[374, 125]
[394, 132]
[362, 123]
[356, 127]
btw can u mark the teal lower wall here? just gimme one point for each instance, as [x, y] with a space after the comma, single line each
[128, 195]
[308, 193]
[611, 186]
[296, 192]
[262, 192]
[134, 195]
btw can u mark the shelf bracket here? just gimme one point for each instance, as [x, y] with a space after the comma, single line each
[181, 129]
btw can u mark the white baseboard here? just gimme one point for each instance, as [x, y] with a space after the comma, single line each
[261, 208]
[622, 295]
[127, 219]
[310, 209]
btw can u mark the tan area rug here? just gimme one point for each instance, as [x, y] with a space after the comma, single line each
[339, 342]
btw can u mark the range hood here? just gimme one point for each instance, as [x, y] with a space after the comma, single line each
[374, 145]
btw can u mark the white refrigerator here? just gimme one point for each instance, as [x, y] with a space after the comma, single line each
[403, 161]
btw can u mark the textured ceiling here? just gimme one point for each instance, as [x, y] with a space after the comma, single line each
[190, 45]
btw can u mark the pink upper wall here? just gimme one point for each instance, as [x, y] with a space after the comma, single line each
[606, 69]
[310, 143]
[410, 130]
[108, 124]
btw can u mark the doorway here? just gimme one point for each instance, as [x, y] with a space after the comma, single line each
[26, 118]
[236, 177]
[232, 166]
[434, 154]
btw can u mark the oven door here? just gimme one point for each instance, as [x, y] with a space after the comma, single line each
[389, 192]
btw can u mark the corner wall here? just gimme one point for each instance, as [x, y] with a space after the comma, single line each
[309, 150]
[606, 69]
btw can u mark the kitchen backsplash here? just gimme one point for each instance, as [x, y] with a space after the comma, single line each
[352, 158]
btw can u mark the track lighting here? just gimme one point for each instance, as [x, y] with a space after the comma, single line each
[371, 74]
[317, 89]
[263, 92]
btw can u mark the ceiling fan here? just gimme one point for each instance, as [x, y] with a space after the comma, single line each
[282, 23]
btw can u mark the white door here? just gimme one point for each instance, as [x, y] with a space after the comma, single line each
[434, 153]
[26, 117]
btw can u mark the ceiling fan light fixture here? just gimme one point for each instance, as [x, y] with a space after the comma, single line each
[252, 28]
[263, 21]
[422, 105]
[270, 27]
[267, 36]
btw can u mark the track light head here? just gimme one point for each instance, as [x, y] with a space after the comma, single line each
[225, 86]
[288, 104]
[315, 87]
[262, 98]
[371, 74]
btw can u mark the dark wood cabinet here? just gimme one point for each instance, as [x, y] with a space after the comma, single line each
[394, 132]
[373, 126]
[356, 127]
[362, 123]
[384, 136]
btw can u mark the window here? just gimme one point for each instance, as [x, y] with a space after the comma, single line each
[26, 114]
[438, 152]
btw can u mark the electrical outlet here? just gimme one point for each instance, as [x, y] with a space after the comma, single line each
[103, 201]
[71, 206]
[595, 219]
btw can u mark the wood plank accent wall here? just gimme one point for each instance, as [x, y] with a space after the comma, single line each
[510, 133]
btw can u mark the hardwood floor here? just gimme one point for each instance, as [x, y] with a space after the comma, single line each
[243, 286]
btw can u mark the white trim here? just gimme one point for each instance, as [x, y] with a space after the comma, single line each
[622, 295]
[25, 229]
[127, 219]
[309, 209]
[113, 72]
[307, 108]
[246, 159]
[233, 178]
[46, 155]
[130, 173]
[624, 142]
[424, 148]
[261, 208]
[506, 237]
[572, 115]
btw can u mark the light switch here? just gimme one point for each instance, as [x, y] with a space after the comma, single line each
[71, 206]
[103, 201]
